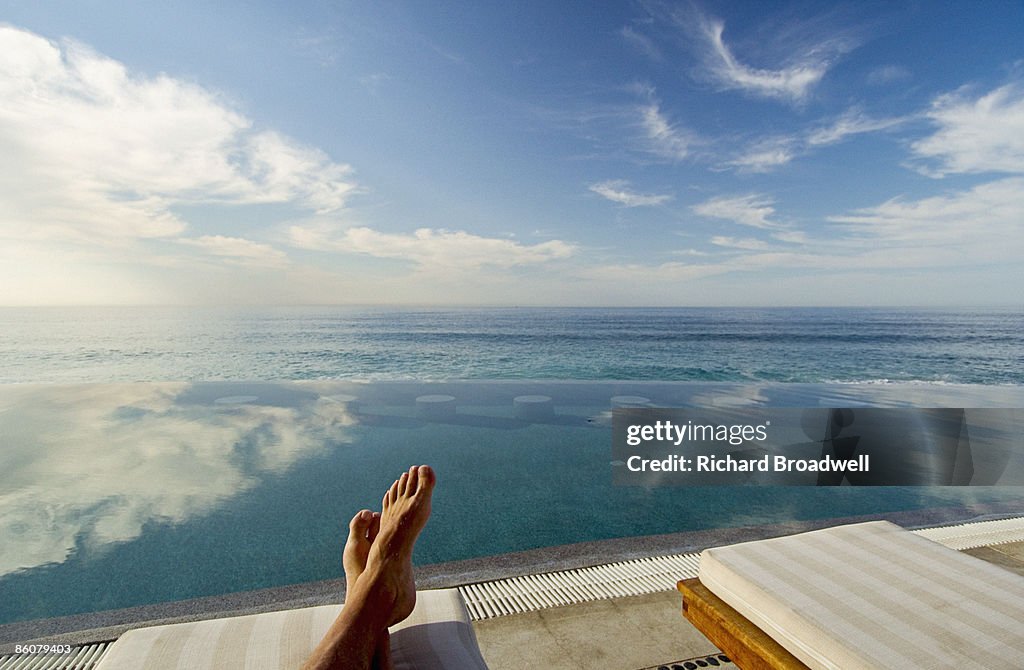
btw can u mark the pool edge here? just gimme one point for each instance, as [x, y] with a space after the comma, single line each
[107, 625]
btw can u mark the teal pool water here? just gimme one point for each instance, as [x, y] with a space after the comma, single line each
[125, 494]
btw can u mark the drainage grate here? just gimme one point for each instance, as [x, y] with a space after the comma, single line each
[977, 534]
[516, 595]
[80, 658]
[600, 582]
[710, 661]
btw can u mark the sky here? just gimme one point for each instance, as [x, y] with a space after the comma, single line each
[492, 153]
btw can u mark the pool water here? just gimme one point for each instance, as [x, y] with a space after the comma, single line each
[117, 495]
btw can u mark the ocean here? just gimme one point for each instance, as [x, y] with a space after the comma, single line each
[808, 345]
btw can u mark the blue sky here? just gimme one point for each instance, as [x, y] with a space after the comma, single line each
[528, 153]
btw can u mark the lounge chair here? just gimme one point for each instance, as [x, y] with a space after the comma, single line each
[436, 635]
[869, 595]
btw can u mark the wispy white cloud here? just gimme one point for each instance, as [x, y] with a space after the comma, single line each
[888, 74]
[96, 154]
[748, 210]
[983, 223]
[644, 274]
[663, 138]
[791, 82]
[690, 252]
[786, 61]
[770, 153]
[853, 122]
[641, 43]
[238, 250]
[746, 243]
[766, 155]
[617, 190]
[430, 249]
[968, 227]
[931, 239]
[977, 225]
[975, 134]
[962, 228]
[790, 236]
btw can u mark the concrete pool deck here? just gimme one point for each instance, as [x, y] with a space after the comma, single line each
[625, 633]
[631, 632]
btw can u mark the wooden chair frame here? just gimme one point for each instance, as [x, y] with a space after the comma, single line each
[749, 647]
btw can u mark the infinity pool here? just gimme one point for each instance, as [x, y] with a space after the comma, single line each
[126, 494]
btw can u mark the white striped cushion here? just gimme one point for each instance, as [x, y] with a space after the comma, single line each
[873, 595]
[437, 634]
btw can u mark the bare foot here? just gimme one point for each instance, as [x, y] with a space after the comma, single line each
[362, 531]
[378, 573]
[389, 562]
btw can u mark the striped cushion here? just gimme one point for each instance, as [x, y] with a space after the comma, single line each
[873, 595]
[436, 635]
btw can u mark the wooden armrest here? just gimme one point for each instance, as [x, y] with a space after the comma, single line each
[749, 647]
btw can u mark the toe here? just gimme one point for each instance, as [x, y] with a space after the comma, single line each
[391, 495]
[425, 478]
[374, 527]
[360, 524]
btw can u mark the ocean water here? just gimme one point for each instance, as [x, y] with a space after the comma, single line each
[810, 345]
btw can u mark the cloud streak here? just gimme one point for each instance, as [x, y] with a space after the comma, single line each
[238, 250]
[983, 222]
[768, 154]
[747, 210]
[430, 249]
[617, 190]
[792, 83]
[801, 55]
[745, 243]
[662, 137]
[641, 43]
[853, 122]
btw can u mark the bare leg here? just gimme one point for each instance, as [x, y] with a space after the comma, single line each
[384, 593]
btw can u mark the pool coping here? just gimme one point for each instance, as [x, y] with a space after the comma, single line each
[107, 625]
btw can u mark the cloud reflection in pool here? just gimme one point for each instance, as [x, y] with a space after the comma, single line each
[87, 466]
